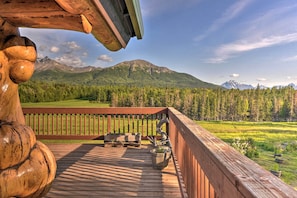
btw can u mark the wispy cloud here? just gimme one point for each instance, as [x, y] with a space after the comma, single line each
[227, 51]
[261, 79]
[70, 59]
[62, 47]
[291, 58]
[275, 27]
[71, 45]
[105, 58]
[54, 49]
[70, 53]
[233, 11]
[234, 75]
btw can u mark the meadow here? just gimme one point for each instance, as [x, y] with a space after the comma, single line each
[269, 138]
[66, 103]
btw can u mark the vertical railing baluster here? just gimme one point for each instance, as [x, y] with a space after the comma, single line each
[202, 186]
[57, 124]
[212, 193]
[137, 124]
[34, 122]
[206, 187]
[190, 170]
[84, 124]
[199, 180]
[133, 124]
[79, 124]
[123, 123]
[66, 123]
[51, 132]
[147, 124]
[71, 123]
[46, 123]
[38, 124]
[127, 122]
[114, 123]
[75, 124]
[142, 124]
[42, 123]
[195, 179]
[99, 125]
[119, 124]
[94, 126]
[103, 125]
[89, 118]
[108, 123]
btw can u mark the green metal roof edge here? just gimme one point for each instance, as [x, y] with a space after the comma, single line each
[136, 17]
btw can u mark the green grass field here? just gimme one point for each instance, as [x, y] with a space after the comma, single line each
[66, 103]
[268, 137]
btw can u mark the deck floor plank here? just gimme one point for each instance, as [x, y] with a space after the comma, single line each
[90, 170]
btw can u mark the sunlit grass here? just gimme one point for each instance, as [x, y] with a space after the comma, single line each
[267, 136]
[66, 103]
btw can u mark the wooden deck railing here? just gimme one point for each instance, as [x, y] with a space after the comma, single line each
[91, 123]
[211, 168]
[208, 167]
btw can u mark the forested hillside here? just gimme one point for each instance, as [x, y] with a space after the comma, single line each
[129, 73]
[276, 104]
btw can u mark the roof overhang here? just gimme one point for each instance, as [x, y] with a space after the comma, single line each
[112, 22]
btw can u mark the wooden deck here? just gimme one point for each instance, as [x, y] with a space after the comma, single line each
[91, 170]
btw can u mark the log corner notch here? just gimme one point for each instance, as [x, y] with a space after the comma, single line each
[27, 166]
[112, 22]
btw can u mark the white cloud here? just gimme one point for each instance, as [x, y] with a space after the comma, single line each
[234, 75]
[72, 45]
[70, 59]
[233, 11]
[54, 49]
[70, 53]
[105, 58]
[278, 21]
[227, 51]
[272, 27]
[291, 58]
[261, 79]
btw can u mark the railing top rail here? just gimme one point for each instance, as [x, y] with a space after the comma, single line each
[227, 169]
[105, 111]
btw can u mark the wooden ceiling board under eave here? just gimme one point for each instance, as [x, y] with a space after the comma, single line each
[49, 14]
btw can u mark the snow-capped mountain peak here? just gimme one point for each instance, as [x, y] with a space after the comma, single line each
[232, 84]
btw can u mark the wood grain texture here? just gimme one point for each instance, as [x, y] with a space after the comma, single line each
[230, 173]
[89, 170]
[89, 16]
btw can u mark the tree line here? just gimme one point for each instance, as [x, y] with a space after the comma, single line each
[271, 104]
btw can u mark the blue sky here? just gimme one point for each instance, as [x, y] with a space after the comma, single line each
[249, 41]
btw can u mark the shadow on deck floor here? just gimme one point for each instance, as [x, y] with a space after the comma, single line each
[91, 170]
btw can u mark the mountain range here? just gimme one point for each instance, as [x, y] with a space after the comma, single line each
[135, 72]
[232, 84]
